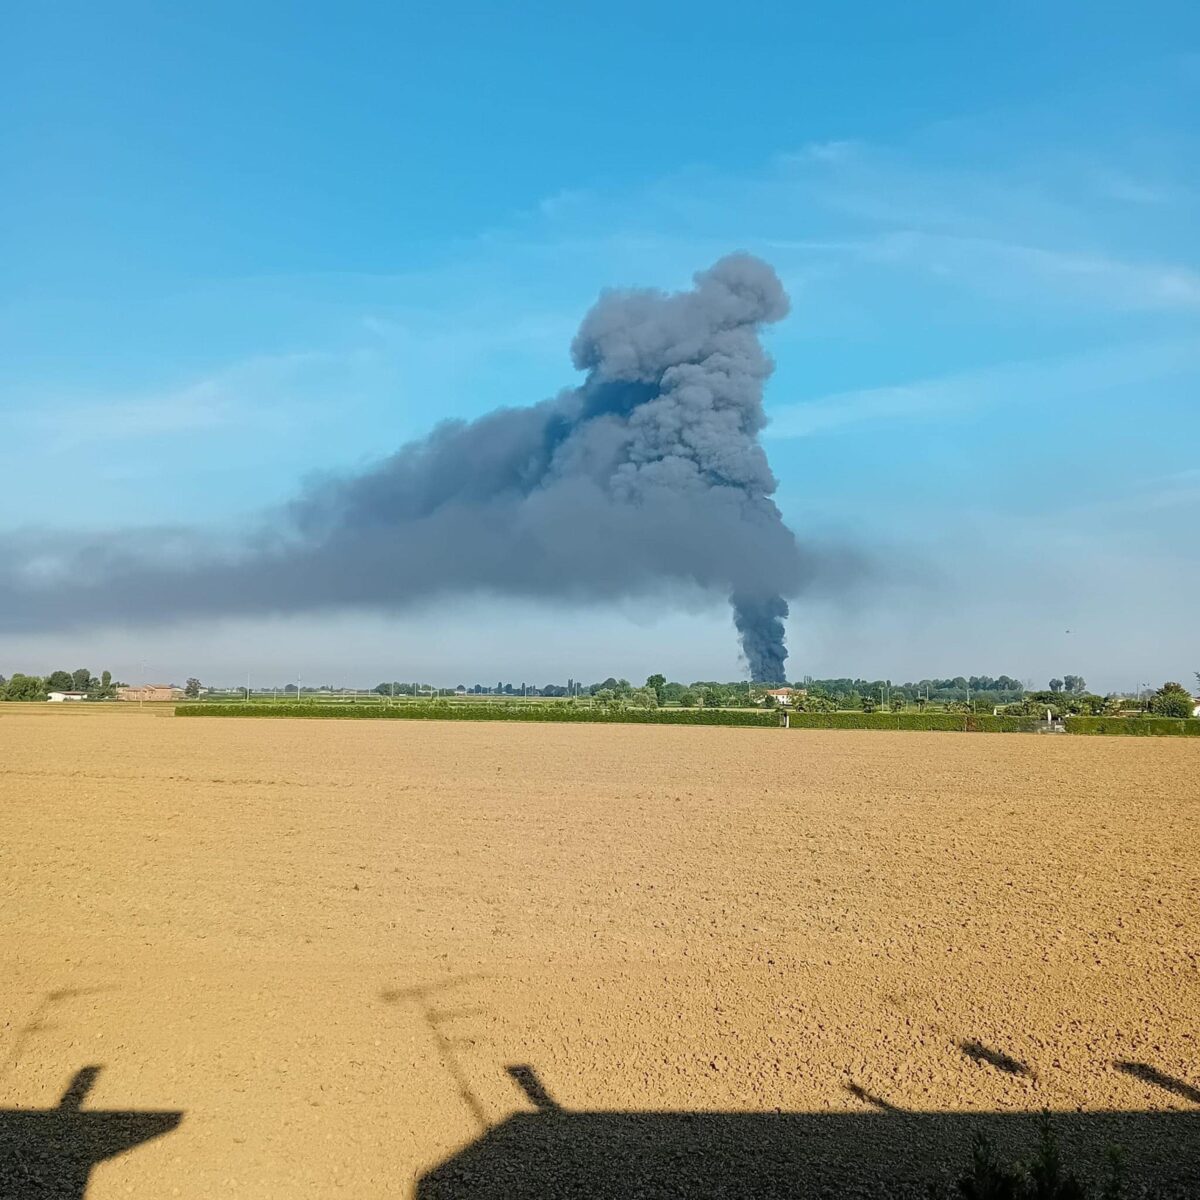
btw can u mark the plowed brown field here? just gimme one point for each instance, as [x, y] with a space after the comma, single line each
[312, 959]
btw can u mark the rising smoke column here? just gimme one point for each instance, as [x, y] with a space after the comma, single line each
[647, 475]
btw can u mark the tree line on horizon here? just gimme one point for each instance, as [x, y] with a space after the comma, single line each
[38, 687]
[1066, 696]
[1003, 688]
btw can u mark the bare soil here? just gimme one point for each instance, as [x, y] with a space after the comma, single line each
[299, 958]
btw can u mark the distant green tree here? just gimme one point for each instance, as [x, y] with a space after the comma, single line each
[80, 679]
[604, 695]
[60, 681]
[1075, 684]
[869, 704]
[25, 687]
[688, 698]
[656, 683]
[769, 701]
[191, 688]
[644, 698]
[1172, 700]
[1056, 685]
[898, 704]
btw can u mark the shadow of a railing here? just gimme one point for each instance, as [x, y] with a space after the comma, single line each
[553, 1152]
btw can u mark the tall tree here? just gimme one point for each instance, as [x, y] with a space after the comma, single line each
[192, 688]
[656, 683]
[80, 679]
[1172, 700]
[60, 681]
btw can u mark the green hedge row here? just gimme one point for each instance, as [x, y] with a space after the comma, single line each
[489, 712]
[1135, 726]
[747, 718]
[944, 722]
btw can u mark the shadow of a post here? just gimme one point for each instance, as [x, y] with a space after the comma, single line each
[554, 1152]
[49, 1153]
[1152, 1075]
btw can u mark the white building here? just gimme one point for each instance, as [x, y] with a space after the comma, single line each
[61, 697]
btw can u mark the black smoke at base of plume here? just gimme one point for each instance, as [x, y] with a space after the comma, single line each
[759, 622]
[648, 475]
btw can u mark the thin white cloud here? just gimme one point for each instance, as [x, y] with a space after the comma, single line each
[1176, 490]
[244, 394]
[1017, 383]
[1129, 189]
[1090, 278]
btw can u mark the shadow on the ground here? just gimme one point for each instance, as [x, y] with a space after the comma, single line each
[553, 1152]
[1168, 1083]
[977, 1052]
[49, 1153]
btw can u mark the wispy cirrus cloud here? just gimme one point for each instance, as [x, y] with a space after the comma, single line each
[1019, 384]
[1087, 279]
[244, 395]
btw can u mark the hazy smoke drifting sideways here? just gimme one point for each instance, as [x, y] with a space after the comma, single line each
[649, 474]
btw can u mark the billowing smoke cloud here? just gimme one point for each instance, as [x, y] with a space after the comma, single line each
[648, 475]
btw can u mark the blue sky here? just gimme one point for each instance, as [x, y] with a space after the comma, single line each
[242, 244]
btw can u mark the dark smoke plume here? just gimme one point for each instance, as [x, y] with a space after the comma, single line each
[649, 474]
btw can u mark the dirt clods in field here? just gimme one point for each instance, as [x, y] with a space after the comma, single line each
[303, 958]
